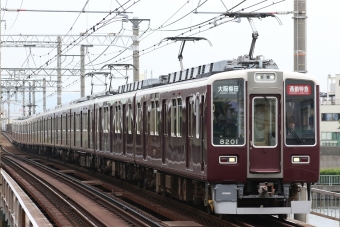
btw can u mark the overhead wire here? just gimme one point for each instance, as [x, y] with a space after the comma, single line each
[88, 32]
[208, 23]
[145, 51]
[16, 16]
[163, 45]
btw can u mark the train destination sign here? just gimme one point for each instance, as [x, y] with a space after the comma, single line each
[227, 90]
[299, 89]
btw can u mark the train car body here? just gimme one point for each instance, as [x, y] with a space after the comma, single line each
[216, 134]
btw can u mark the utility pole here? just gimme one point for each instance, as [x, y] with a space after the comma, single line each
[58, 73]
[300, 39]
[82, 69]
[135, 28]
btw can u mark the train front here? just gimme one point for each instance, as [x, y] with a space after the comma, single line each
[262, 141]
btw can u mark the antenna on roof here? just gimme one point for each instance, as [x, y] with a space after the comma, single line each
[183, 39]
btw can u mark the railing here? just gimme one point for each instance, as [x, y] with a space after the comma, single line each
[325, 204]
[329, 180]
[330, 102]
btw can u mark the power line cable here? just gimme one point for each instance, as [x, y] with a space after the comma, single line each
[156, 48]
[200, 31]
[16, 16]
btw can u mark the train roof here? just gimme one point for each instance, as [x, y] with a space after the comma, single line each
[203, 71]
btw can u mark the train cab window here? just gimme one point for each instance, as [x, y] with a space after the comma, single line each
[300, 113]
[264, 121]
[228, 112]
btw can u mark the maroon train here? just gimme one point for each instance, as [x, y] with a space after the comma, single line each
[214, 134]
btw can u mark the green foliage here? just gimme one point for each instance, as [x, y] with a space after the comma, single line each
[332, 171]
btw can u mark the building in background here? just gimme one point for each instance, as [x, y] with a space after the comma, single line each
[330, 112]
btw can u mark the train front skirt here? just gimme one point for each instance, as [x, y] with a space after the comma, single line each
[225, 202]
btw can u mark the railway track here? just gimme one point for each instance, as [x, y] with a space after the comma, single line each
[73, 203]
[168, 208]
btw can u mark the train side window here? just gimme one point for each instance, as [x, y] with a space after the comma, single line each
[76, 127]
[84, 129]
[118, 119]
[190, 118]
[138, 118]
[157, 117]
[179, 117]
[174, 118]
[152, 118]
[90, 128]
[165, 121]
[115, 120]
[130, 119]
[197, 112]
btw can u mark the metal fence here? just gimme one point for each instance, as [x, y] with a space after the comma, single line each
[325, 204]
[329, 180]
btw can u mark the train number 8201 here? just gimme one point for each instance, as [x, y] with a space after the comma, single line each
[228, 141]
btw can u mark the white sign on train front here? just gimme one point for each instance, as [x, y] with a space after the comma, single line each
[228, 89]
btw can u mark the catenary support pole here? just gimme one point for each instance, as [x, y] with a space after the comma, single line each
[300, 39]
[300, 64]
[135, 29]
[82, 71]
[58, 72]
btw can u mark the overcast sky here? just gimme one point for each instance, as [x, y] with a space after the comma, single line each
[229, 40]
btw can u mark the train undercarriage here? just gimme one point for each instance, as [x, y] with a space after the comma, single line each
[252, 197]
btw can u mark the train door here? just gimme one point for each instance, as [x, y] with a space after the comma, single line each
[265, 147]
[190, 138]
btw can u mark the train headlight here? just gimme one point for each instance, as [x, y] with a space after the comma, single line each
[228, 159]
[265, 77]
[300, 159]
